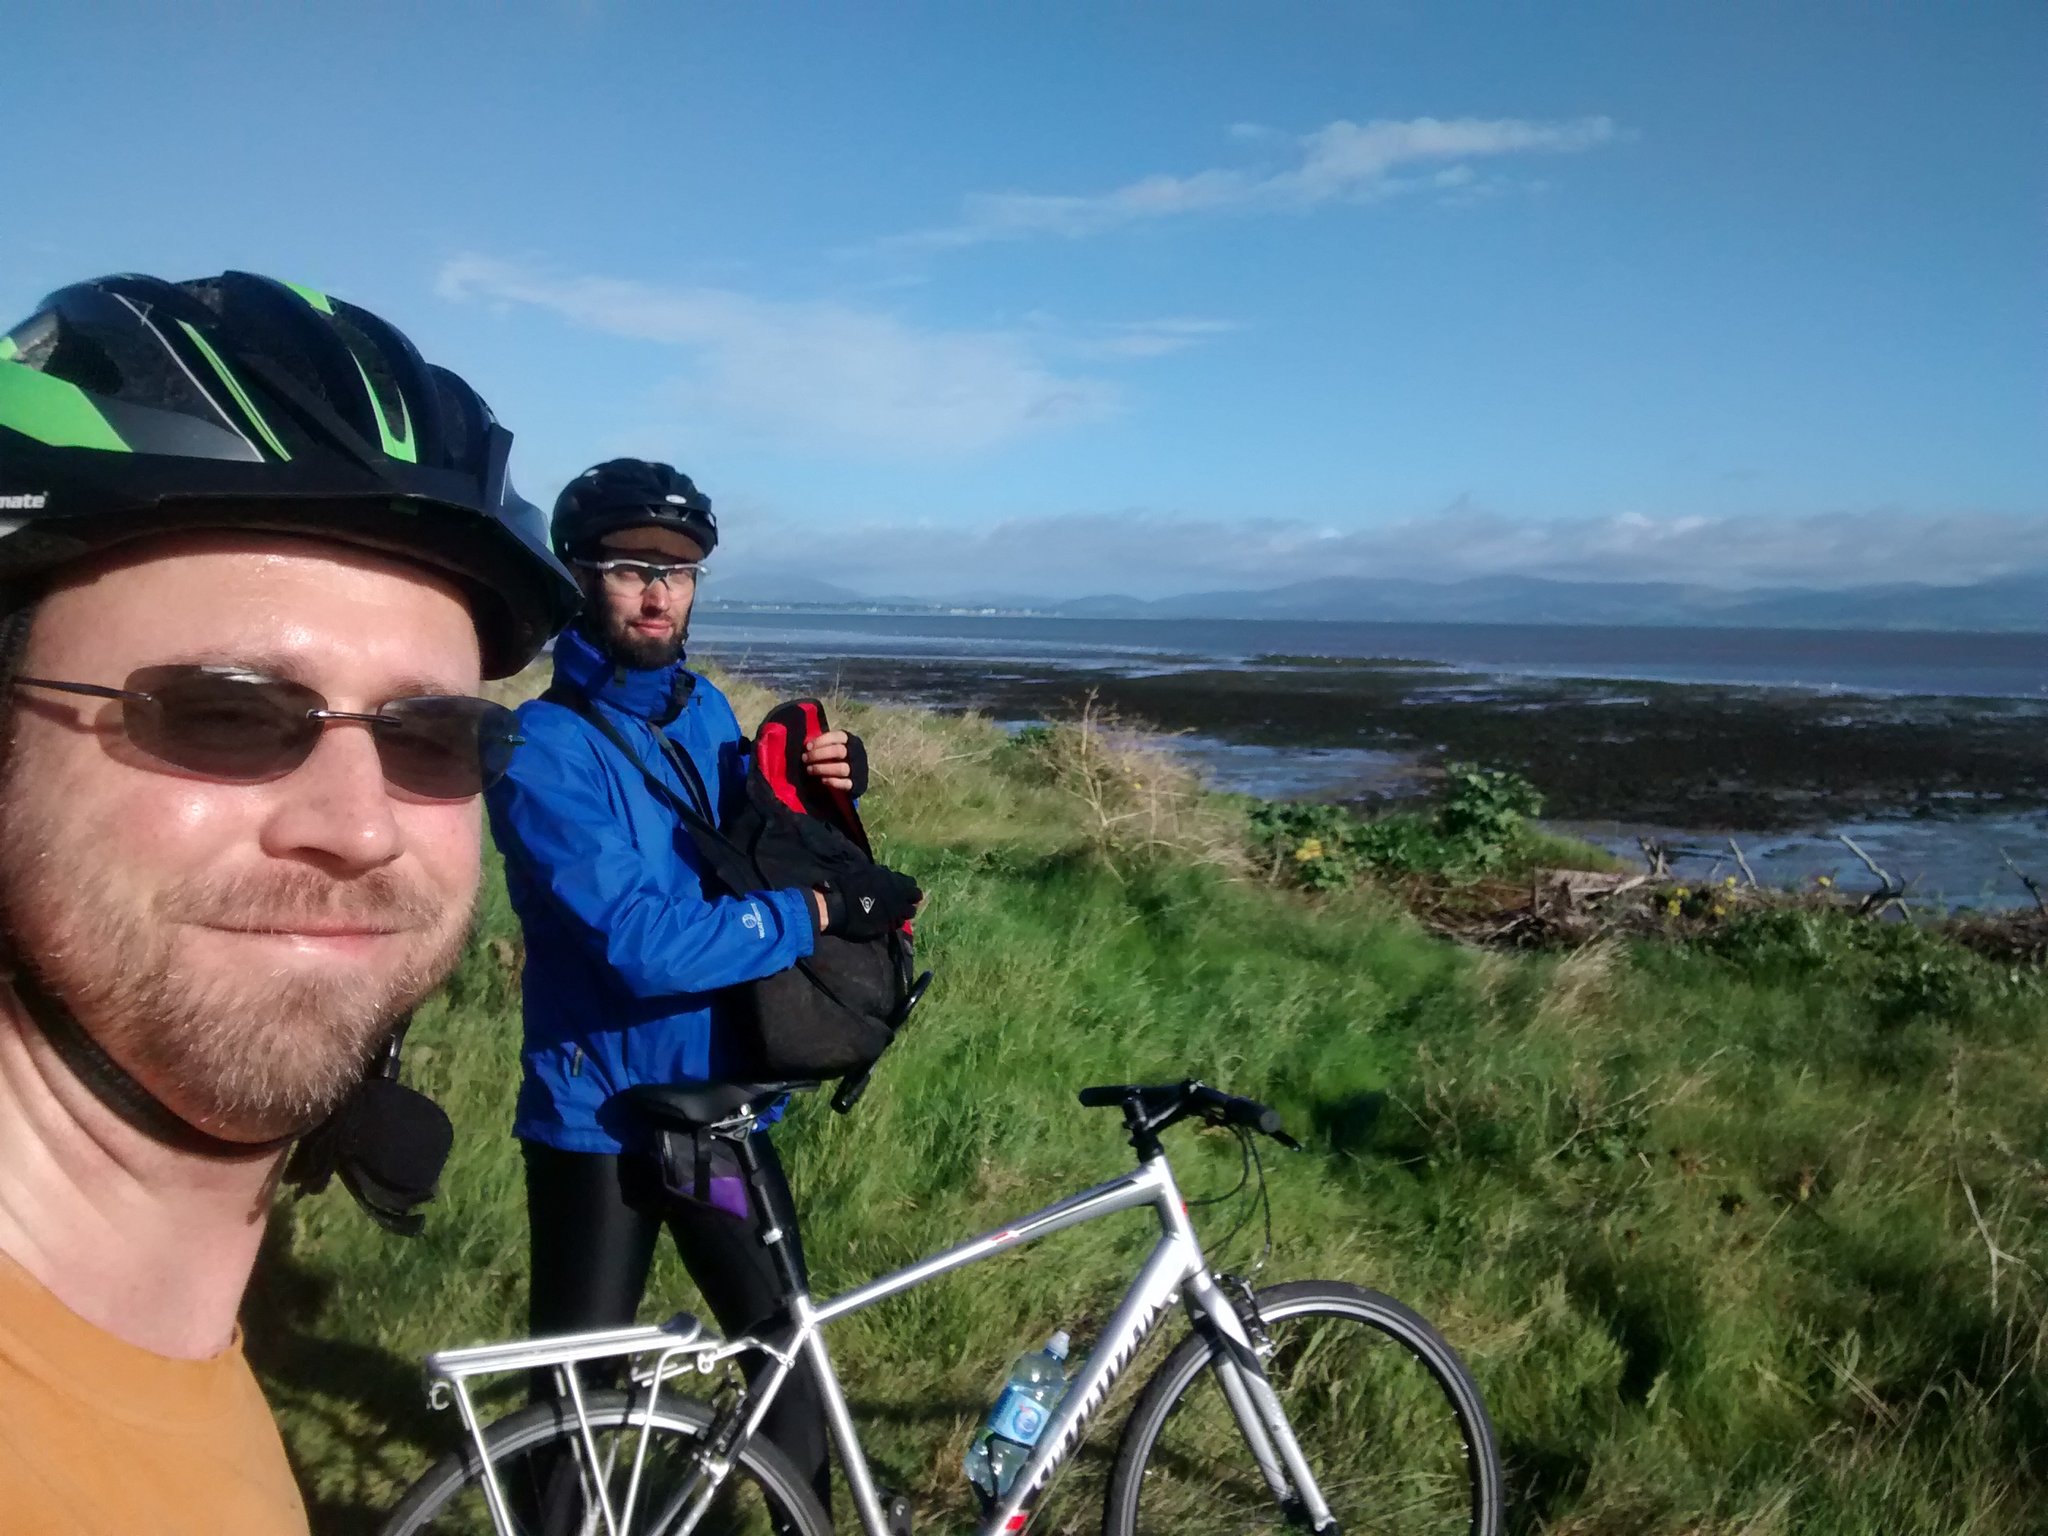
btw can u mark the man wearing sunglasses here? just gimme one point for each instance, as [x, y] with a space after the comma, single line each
[256, 557]
[625, 945]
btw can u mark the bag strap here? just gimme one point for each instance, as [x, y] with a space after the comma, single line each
[686, 770]
[728, 861]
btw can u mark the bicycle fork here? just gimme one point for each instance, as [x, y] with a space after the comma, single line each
[1256, 1406]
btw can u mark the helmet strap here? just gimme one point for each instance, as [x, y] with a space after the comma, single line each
[111, 1083]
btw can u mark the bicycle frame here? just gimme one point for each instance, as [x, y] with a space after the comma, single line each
[1175, 1268]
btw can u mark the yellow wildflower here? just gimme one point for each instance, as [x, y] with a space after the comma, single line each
[1309, 848]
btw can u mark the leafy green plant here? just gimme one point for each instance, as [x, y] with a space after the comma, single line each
[1482, 811]
[1478, 826]
[1314, 846]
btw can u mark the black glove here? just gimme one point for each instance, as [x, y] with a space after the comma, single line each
[868, 902]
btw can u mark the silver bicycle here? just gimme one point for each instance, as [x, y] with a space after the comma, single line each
[1313, 1405]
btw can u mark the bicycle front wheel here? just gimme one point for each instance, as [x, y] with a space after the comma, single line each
[1388, 1419]
[553, 1488]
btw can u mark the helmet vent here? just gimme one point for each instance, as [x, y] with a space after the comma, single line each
[390, 400]
[77, 358]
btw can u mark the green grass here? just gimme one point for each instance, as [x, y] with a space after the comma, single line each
[1714, 1225]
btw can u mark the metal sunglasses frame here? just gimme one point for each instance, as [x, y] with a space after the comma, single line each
[1175, 1268]
[323, 717]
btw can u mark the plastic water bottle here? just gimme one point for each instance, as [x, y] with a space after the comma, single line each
[1036, 1384]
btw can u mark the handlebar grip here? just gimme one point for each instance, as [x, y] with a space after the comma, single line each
[1233, 1110]
[1261, 1117]
[851, 1088]
[850, 1091]
[1105, 1097]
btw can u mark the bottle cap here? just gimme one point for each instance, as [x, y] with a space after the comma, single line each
[1058, 1344]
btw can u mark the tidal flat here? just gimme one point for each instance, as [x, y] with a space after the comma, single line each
[1741, 758]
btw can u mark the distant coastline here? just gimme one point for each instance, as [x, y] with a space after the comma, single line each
[2016, 604]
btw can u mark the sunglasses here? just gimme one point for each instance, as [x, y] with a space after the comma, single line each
[244, 727]
[634, 576]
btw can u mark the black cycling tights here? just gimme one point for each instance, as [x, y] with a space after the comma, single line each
[592, 1220]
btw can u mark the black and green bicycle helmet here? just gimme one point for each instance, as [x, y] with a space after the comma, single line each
[131, 406]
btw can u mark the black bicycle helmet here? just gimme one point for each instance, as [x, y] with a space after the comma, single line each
[132, 406]
[630, 493]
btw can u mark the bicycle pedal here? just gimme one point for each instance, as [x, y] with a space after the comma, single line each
[896, 1512]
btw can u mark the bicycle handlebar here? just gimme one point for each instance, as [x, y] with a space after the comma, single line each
[1151, 1109]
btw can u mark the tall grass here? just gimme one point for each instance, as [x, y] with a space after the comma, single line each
[1747, 1237]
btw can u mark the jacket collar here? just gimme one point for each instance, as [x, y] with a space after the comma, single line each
[657, 694]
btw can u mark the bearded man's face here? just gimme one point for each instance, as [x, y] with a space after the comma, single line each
[239, 948]
[644, 627]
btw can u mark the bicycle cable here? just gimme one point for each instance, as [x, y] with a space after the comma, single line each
[1251, 1164]
[1244, 1172]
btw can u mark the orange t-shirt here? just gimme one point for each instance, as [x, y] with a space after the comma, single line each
[101, 1438]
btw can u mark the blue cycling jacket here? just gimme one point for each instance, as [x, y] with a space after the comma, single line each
[623, 944]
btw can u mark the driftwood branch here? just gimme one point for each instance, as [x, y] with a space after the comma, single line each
[1891, 892]
[2033, 886]
[1741, 863]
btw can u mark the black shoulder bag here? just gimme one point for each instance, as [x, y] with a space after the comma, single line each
[829, 1015]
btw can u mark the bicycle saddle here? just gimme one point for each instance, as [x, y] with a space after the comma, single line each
[692, 1106]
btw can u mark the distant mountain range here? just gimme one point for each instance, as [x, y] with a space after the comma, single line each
[2014, 603]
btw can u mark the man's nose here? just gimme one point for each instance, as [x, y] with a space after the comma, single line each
[335, 808]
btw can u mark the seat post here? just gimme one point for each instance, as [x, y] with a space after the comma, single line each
[775, 1237]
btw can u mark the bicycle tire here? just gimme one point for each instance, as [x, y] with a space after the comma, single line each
[450, 1499]
[1337, 1352]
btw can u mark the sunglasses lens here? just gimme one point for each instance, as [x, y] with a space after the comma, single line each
[445, 748]
[222, 723]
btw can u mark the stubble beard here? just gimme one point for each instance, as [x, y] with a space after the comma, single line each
[248, 1052]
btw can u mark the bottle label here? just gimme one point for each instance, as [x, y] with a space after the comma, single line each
[1017, 1416]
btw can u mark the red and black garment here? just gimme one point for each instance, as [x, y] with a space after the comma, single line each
[779, 747]
[831, 1013]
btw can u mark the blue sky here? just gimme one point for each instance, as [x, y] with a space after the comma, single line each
[1090, 297]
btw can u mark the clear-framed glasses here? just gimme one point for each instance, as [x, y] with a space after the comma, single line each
[632, 577]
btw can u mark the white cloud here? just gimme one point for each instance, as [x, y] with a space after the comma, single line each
[1340, 162]
[1150, 554]
[1350, 160]
[1151, 338]
[817, 375]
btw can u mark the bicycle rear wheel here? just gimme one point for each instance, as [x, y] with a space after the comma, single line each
[1387, 1416]
[547, 1477]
